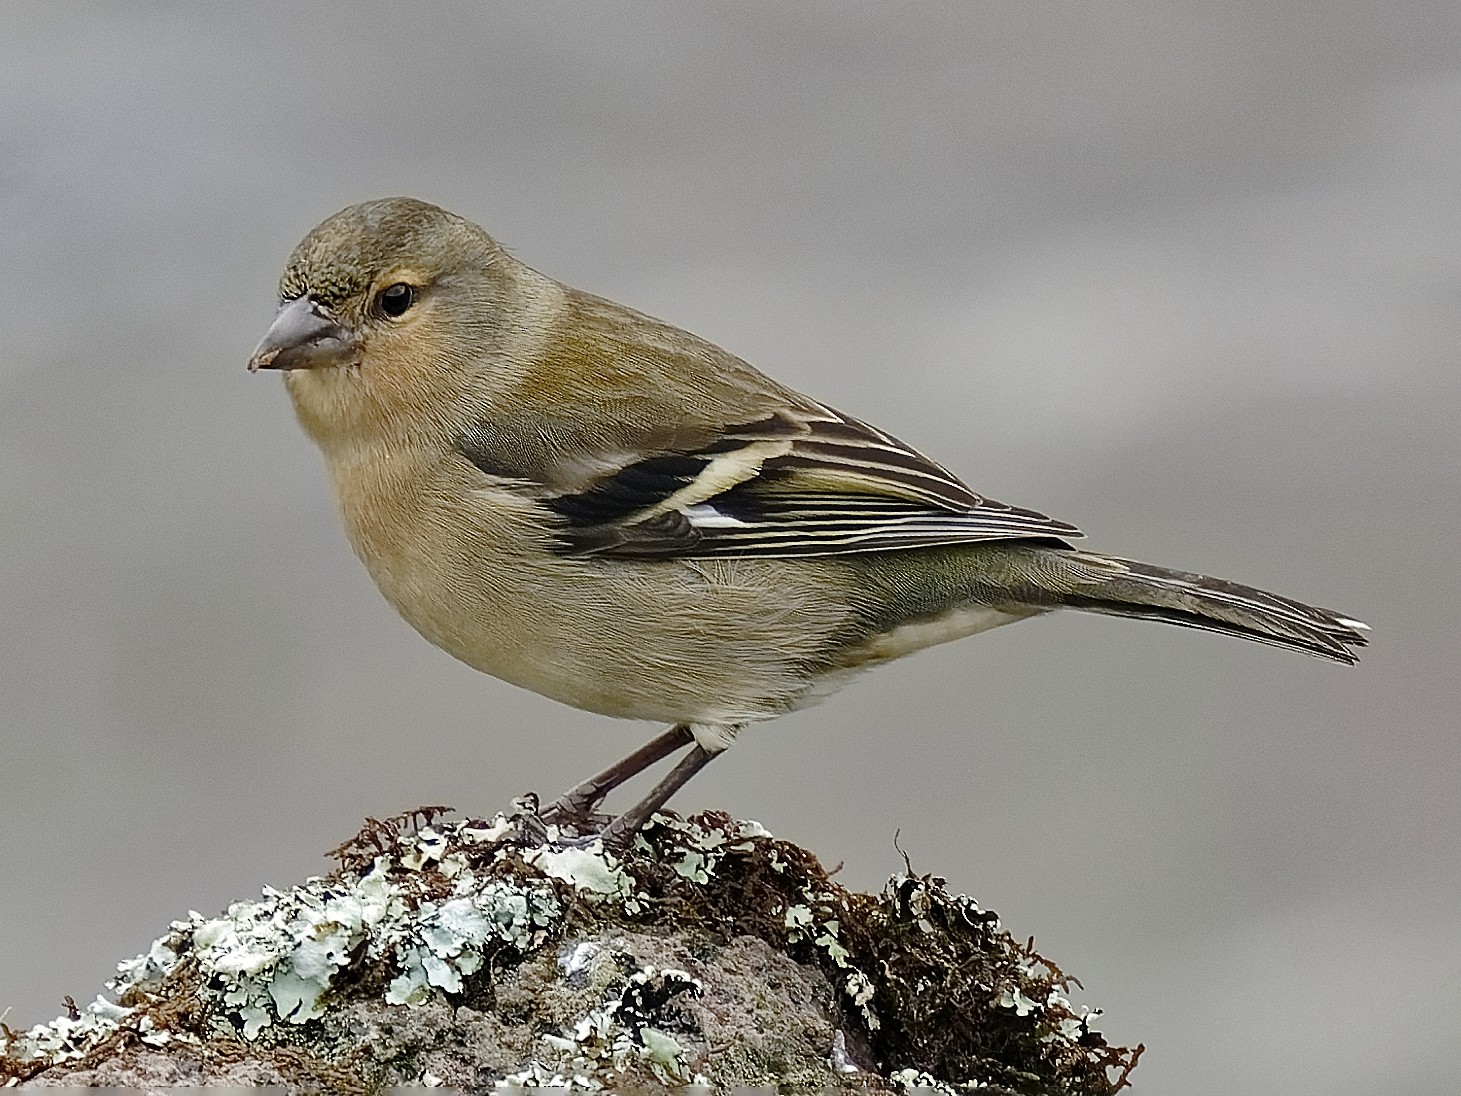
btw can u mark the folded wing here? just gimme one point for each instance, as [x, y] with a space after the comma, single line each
[802, 482]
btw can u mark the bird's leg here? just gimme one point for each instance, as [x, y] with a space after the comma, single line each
[580, 801]
[619, 831]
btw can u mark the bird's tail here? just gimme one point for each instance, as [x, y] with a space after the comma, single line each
[1123, 587]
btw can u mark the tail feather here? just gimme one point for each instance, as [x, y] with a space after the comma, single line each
[1122, 587]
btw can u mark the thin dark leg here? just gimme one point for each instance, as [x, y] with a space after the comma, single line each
[627, 824]
[581, 800]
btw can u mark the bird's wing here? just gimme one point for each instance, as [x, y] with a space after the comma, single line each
[805, 481]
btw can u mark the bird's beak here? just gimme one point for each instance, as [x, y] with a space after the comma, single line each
[302, 336]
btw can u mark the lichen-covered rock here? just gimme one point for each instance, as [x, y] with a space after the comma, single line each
[490, 954]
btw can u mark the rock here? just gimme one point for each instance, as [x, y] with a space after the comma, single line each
[484, 954]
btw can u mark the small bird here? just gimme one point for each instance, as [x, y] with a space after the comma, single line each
[588, 502]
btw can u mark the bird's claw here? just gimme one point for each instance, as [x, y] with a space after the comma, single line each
[568, 822]
[573, 809]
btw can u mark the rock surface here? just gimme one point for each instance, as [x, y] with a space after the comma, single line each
[484, 954]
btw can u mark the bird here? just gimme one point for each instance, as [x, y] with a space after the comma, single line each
[593, 504]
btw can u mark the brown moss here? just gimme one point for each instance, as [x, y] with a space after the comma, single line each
[938, 965]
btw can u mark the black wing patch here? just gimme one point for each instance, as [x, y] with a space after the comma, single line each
[631, 490]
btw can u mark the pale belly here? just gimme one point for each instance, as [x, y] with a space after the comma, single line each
[697, 641]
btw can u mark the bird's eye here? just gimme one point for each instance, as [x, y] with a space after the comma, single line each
[395, 299]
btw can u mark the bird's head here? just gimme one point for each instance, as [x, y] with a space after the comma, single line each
[382, 305]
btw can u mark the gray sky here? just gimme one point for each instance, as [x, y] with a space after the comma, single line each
[1186, 276]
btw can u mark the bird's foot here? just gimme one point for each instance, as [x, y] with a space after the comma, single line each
[566, 822]
[605, 832]
[575, 808]
[529, 827]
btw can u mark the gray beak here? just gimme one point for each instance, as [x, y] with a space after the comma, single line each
[302, 336]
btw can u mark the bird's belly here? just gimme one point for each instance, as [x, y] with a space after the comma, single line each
[709, 641]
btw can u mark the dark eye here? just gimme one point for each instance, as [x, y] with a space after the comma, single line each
[395, 299]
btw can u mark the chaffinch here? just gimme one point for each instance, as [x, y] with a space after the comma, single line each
[593, 504]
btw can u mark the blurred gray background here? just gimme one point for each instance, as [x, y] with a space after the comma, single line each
[1185, 276]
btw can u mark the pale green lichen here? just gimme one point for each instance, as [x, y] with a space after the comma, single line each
[588, 870]
[913, 1081]
[274, 960]
[67, 1038]
[446, 941]
[700, 850]
[798, 922]
[802, 923]
[618, 1034]
[1016, 1000]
